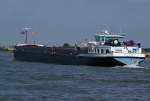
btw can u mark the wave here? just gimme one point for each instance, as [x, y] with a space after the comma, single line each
[134, 65]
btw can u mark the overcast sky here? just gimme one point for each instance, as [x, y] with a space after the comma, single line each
[59, 21]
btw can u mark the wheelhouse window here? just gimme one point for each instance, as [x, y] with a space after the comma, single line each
[99, 38]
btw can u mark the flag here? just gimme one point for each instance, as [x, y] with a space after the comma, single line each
[23, 32]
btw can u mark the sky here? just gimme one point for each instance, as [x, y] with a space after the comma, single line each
[59, 21]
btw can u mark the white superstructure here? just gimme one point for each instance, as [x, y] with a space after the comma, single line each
[113, 45]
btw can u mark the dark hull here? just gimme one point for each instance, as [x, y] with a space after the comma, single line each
[65, 59]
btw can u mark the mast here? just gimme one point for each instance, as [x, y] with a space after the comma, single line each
[26, 29]
[26, 36]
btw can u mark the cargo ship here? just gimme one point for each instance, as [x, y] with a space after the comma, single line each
[107, 49]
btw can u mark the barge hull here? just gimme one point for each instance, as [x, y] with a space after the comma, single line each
[66, 59]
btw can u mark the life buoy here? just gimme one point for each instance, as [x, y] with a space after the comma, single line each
[116, 42]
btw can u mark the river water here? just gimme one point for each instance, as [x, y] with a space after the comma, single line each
[26, 81]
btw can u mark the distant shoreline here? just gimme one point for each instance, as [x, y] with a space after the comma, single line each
[8, 49]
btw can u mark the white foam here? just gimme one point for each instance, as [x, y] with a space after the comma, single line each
[132, 66]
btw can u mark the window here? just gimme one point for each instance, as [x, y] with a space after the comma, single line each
[89, 50]
[103, 39]
[102, 51]
[98, 51]
[97, 38]
[95, 50]
[107, 51]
